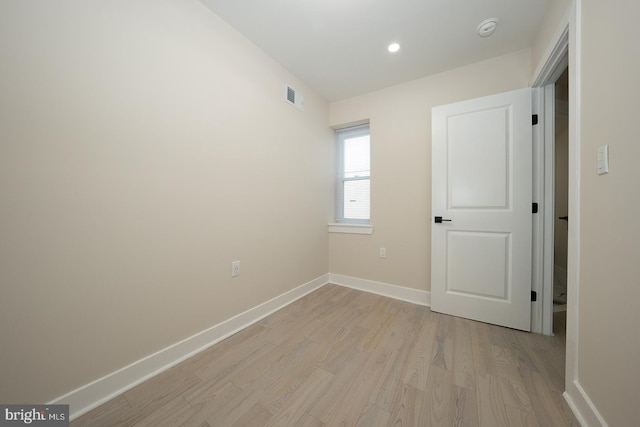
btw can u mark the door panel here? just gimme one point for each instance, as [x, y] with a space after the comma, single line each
[482, 182]
[478, 264]
[473, 183]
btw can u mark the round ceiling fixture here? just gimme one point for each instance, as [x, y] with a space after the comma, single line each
[393, 47]
[487, 27]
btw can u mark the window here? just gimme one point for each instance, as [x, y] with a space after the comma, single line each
[353, 181]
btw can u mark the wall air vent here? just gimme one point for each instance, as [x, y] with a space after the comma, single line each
[295, 98]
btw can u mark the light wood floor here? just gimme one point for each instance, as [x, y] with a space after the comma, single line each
[341, 357]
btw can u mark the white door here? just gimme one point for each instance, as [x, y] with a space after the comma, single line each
[482, 190]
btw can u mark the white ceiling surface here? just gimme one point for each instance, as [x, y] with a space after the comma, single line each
[339, 47]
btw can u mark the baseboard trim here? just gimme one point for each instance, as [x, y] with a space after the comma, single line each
[582, 406]
[414, 296]
[94, 394]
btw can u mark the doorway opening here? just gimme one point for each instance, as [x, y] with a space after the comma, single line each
[560, 71]
[565, 52]
[560, 203]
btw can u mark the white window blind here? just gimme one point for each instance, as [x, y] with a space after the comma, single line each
[353, 180]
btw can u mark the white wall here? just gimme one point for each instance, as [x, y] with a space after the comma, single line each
[552, 25]
[609, 342]
[143, 147]
[603, 346]
[400, 119]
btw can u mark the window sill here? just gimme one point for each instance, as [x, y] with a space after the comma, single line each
[350, 228]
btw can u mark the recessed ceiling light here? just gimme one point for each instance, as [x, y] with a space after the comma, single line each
[487, 27]
[393, 47]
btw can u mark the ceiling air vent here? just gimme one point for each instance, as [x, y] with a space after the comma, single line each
[295, 98]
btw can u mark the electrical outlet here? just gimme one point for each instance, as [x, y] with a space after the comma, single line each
[383, 252]
[235, 268]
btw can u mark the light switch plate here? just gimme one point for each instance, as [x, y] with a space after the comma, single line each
[603, 159]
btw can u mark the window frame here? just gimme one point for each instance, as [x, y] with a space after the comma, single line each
[342, 135]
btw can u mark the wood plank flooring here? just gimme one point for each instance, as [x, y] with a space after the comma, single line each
[342, 357]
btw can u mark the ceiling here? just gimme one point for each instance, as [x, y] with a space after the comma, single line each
[339, 47]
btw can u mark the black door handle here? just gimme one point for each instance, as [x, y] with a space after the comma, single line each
[440, 220]
[564, 218]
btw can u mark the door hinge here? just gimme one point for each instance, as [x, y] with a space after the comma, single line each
[534, 208]
[534, 119]
[534, 296]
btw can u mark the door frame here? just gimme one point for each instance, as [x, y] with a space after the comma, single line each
[569, 39]
[544, 183]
